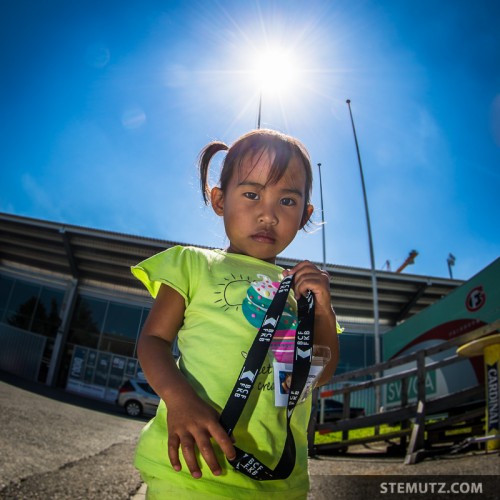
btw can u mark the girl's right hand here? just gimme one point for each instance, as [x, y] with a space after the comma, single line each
[192, 423]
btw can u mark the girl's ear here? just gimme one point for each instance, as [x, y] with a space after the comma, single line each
[217, 200]
[309, 211]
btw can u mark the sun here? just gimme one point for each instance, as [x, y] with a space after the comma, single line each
[275, 70]
[230, 292]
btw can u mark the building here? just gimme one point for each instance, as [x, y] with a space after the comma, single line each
[71, 312]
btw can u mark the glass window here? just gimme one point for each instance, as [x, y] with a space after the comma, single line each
[122, 321]
[87, 321]
[121, 329]
[47, 315]
[370, 350]
[144, 317]
[22, 305]
[146, 388]
[117, 346]
[5, 288]
[352, 352]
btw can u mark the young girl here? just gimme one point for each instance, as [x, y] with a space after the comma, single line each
[214, 302]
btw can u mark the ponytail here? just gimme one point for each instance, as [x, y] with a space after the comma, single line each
[205, 157]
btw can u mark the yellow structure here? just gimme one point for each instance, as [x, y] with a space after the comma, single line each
[489, 348]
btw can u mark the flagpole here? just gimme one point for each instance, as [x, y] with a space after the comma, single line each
[322, 217]
[372, 261]
[260, 109]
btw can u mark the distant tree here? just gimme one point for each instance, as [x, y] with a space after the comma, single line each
[22, 317]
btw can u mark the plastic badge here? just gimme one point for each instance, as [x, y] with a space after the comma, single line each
[283, 375]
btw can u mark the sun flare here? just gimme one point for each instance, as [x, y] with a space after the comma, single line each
[275, 70]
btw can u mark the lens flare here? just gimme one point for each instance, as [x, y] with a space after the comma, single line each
[275, 70]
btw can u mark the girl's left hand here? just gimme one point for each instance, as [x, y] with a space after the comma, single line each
[308, 277]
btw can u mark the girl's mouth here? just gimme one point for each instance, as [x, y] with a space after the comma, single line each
[264, 237]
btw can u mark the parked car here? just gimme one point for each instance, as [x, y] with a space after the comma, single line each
[334, 410]
[138, 398]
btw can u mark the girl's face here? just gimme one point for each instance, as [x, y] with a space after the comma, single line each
[262, 219]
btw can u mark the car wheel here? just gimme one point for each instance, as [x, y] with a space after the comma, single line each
[133, 408]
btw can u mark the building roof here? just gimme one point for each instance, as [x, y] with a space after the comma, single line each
[103, 257]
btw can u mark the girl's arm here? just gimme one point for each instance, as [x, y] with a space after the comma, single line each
[308, 277]
[191, 421]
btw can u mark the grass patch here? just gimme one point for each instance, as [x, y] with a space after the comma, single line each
[355, 433]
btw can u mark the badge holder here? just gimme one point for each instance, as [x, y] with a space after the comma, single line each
[283, 376]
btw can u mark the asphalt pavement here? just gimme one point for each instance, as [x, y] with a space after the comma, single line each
[60, 446]
[57, 445]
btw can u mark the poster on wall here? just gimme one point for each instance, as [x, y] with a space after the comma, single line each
[91, 358]
[130, 368]
[116, 373]
[81, 374]
[102, 369]
[78, 361]
[99, 374]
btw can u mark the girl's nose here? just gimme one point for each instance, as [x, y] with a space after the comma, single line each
[268, 216]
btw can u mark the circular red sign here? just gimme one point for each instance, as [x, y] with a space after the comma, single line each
[475, 299]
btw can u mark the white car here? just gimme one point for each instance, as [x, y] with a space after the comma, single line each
[138, 398]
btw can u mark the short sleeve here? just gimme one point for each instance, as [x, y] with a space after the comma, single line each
[173, 267]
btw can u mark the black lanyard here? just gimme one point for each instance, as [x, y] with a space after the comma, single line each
[303, 346]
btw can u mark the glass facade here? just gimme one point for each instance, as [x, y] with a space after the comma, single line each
[105, 330]
[34, 308]
[5, 291]
[121, 329]
[356, 351]
[106, 325]
[100, 351]
[86, 324]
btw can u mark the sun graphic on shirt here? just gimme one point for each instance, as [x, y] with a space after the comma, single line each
[232, 291]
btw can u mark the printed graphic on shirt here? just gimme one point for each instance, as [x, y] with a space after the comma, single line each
[228, 292]
[257, 301]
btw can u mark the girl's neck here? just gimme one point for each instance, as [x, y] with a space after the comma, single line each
[229, 249]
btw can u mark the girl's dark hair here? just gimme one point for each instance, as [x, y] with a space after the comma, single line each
[280, 146]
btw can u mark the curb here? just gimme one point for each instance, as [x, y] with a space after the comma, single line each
[141, 493]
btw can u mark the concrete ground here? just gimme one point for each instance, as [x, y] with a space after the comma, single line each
[55, 445]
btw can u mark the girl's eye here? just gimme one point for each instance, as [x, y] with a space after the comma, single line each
[251, 196]
[289, 202]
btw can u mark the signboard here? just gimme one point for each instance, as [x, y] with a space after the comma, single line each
[393, 389]
[467, 308]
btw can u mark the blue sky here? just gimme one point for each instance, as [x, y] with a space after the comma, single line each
[106, 105]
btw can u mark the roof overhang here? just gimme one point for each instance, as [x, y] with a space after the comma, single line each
[96, 256]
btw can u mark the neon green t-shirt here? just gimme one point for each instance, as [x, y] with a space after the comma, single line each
[226, 297]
